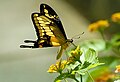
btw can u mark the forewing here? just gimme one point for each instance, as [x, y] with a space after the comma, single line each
[48, 31]
[52, 15]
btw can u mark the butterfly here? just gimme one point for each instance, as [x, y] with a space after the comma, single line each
[49, 30]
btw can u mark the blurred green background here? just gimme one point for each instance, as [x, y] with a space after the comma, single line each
[30, 65]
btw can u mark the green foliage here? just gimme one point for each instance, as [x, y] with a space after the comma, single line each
[96, 44]
[79, 62]
[83, 62]
[116, 43]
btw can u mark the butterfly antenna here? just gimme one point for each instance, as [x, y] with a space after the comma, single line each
[77, 36]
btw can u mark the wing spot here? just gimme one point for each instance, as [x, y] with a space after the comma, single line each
[35, 15]
[55, 44]
[49, 33]
[39, 18]
[42, 41]
[36, 22]
[42, 24]
[52, 35]
[47, 22]
[37, 25]
[35, 19]
[46, 28]
[45, 10]
[41, 21]
[47, 15]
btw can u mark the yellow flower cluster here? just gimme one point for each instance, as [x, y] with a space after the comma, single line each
[75, 55]
[76, 52]
[116, 17]
[97, 25]
[117, 69]
[58, 67]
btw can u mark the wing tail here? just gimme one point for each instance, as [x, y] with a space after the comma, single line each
[28, 46]
[29, 41]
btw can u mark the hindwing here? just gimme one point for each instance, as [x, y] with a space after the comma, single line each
[48, 28]
[48, 32]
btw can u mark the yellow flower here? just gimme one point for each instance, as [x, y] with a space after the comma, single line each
[93, 27]
[117, 69]
[58, 67]
[116, 17]
[75, 55]
[97, 25]
[103, 23]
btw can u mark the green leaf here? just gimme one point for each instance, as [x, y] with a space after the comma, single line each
[94, 65]
[96, 44]
[96, 72]
[63, 76]
[82, 71]
[90, 61]
[91, 56]
[116, 43]
[73, 66]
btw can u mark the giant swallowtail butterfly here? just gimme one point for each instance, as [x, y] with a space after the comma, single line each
[49, 30]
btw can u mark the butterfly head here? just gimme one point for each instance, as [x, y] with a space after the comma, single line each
[69, 40]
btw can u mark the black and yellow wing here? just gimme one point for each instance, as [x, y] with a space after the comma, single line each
[49, 30]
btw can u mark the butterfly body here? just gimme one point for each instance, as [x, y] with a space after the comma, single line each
[49, 30]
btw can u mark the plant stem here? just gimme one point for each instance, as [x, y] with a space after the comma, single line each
[80, 78]
[65, 80]
[90, 76]
[105, 40]
[101, 32]
[76, 80]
